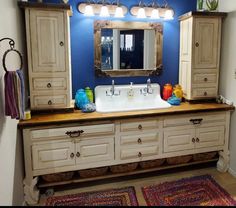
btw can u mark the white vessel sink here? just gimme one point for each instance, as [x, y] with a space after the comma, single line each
[106, 103]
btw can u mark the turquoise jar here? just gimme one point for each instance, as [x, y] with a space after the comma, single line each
[81, 98]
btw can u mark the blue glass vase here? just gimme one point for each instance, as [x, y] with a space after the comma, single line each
[81, 98]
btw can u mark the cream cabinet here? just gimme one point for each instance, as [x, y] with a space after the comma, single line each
[48, 49]
[200, 45]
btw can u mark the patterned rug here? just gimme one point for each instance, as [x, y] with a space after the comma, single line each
[195, 191]
[113, 197]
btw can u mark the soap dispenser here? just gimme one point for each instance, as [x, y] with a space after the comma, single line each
[131, 91]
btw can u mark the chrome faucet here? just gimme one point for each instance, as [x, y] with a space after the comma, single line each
[148, 89]
[112, 90]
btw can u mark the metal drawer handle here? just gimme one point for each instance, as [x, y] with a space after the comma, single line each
[196, 121]
[77, 154]
[61, 43]
[193, 140]
[72, 155]
[205, 93]
[139, 140]
[74, 134]
[197, 140]
[205, 79]
[49, 85]
[140, 127]
[49, 102]
[139, 154]
[197, 44]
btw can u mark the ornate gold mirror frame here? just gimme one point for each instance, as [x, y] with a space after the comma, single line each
[98, 25]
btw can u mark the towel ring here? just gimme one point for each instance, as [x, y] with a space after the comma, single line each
[5, 55]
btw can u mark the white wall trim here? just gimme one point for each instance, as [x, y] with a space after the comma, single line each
[232, 172]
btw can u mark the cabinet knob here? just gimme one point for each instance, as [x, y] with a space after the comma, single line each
[205, 93]
[205, 79]
[140, 127]
[139, 154]
[193, 140]
[197, 44]
[77, 154]
[139, 140]
[49, 85]
[197, 140]
[49, 102]
[61, 43]
[72, 155]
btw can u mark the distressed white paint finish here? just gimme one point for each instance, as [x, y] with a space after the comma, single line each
[228, 67]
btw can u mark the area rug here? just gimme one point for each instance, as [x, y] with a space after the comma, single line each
[112, 197]
[195, 191]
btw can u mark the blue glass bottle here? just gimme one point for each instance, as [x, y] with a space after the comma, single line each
[81, 98]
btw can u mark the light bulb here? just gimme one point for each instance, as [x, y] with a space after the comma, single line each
[104, 12]
[155, 14]
[169, 14]
[119, 12]
[141, 13]
[89, 10]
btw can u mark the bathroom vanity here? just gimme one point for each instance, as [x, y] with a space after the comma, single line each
[75, 141]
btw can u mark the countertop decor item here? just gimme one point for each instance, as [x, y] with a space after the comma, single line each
[200, 4]
[212, 4]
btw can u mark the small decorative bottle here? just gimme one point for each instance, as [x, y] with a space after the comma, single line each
[200, 4]
[167, 91]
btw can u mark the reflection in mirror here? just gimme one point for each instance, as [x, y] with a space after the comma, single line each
[128, 48]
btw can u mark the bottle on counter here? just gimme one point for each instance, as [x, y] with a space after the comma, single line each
[81, 98]
[167, 91]
[178, 91]
[89, 94]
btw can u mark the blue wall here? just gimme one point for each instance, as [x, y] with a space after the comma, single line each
[82, 54]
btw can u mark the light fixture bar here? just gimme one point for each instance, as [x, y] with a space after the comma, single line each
[97, 8]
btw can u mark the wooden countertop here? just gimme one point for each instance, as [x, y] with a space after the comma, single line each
[78, 116]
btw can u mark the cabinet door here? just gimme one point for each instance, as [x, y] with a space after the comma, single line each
[90, 150]
[48, 41]
[53, 154]
[206, 44]
[178, 140]
[210, 136]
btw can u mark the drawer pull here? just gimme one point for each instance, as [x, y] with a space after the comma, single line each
[77, 154]
[197, 44]
[139, 154]
[205, 93]
[139, 140]
[49, 85]
[140, 127]
[193, 140]
[49, 102]
[205, 79]
[61, 43]
[197, 140]
[196, 121]
[74, 134]
[72, 155]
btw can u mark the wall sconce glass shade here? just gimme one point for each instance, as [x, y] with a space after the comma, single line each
[155, 14]
[141, 13]
[104, 11]
[119, 12]
[88, 10]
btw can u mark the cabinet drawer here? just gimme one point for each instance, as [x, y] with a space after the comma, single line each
[179, 140]
[49, 84]
[205, 78]
[139, 125]
[139, 139]
[95, 150]
[73, 132]
[45, 101]
[139, 153]
[188, 120]
[205, 92]
[210, 136]
[51, 155]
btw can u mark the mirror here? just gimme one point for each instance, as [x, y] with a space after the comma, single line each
[127, 48]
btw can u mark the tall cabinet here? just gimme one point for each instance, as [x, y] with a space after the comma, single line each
[200, 45]
[48, 49]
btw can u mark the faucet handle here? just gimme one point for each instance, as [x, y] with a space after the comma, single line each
[149, 81]
[113, 82]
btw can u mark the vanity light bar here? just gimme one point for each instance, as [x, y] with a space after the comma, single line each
[112, 9]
